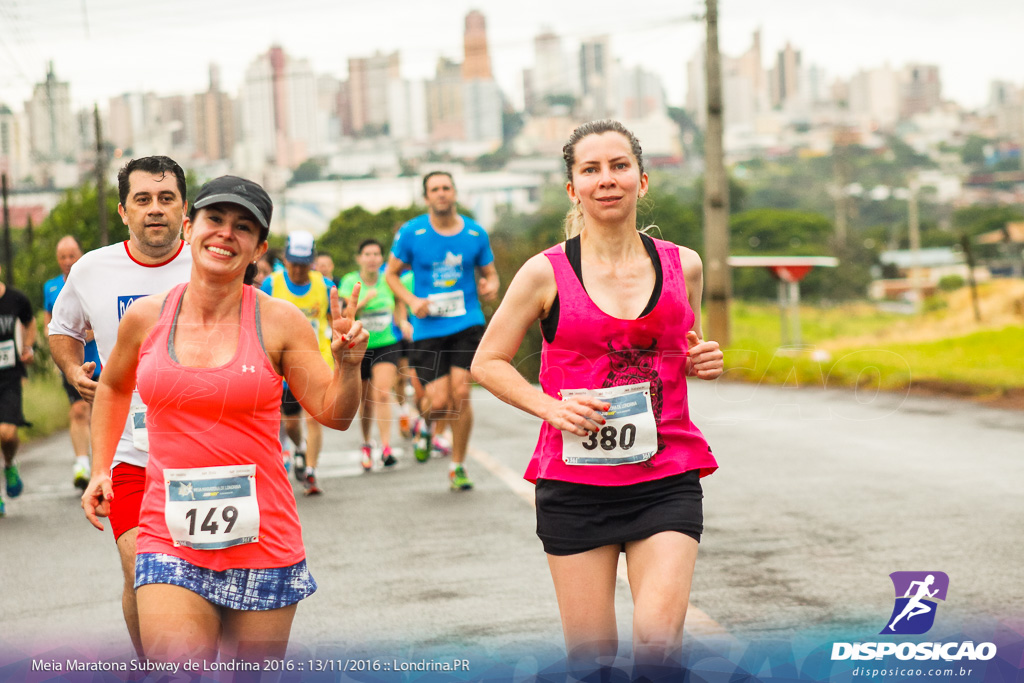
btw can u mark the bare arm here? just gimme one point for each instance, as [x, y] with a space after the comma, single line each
[113, 401]
[330, 396]
[487, 285]
[528, 298]
[706, 360]
[393, 275]
[69, 355]
[28, 342]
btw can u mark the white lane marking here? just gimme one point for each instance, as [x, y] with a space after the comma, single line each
[698, 621]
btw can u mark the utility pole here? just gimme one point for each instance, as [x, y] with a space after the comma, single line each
[8, 256]
[717, 280]
[914, 235]
[101, 169]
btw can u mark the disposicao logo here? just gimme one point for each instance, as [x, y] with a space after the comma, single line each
[917, 596]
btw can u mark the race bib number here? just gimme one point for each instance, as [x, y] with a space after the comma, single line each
[8, 354]
[447, 304]
[378, 321]
[629, 435]
[140, 435]
[207, 508]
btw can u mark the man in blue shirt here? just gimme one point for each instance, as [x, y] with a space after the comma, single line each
[453, 267]
[68, 253]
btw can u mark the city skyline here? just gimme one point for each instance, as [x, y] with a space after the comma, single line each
[968, 44]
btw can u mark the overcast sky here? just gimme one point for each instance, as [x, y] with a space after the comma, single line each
[108, 47]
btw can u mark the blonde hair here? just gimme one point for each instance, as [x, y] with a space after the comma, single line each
[573, 224]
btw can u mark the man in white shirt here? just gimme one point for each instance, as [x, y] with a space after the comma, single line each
[97, 292]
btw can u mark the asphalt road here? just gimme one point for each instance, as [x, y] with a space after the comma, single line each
[819, 496]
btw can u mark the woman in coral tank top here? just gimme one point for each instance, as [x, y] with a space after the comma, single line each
[221, 565]
[618, 462]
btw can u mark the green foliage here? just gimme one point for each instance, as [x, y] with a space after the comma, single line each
[737, 194]
[973, 151]
[951, 283]
[76, 214]
[778, 232]
[977, 219]
[308, 171]
[352, 226]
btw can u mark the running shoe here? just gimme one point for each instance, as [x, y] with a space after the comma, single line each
[13, 479]
[3, 510]
[300, 466]
[286, 458]
[81, 477]
[387, 458]
[311, 486]
[367, 455]
[442, 447]
[458, 479]
[421, 447]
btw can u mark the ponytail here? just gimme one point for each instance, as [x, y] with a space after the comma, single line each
[573, 221]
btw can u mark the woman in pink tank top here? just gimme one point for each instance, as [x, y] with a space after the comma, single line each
[618, 461]
[221, 565]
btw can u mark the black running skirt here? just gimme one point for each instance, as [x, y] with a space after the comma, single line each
[574, 518]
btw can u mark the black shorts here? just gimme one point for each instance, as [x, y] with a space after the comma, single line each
[10, 403]
[575, 518]
[384, 354]
[289, 405]
[433, 358]
[69, 389]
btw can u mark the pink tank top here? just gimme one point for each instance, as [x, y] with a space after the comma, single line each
[214, 453]
[593, 350]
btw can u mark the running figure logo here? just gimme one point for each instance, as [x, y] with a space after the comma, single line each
[917, 594]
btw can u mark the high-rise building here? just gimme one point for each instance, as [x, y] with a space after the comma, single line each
[330, 116]
[551, 77]
[279, 110]
[641, 93]
[1006, 102]
[483, 105]
[125, 116]
[214, 114]
[481, 98]
[597, 78]
[921, 90]
[476, 63]
[446, 112]
[14, 158]
[785, 77]
[407, 110]
[874, 96]
[368, 79]
[50, 122]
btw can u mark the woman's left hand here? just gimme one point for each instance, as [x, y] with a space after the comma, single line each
[706, 358]
[348, 340]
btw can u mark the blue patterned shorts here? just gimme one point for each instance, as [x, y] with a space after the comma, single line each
[241, 589]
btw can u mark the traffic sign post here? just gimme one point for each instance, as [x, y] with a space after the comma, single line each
[789, 270]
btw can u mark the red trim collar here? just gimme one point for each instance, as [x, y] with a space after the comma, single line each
[181, 246]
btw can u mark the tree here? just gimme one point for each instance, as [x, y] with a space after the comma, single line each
[75, 214]
[308, 171]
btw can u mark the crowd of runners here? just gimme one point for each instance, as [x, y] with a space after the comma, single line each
[202, 368]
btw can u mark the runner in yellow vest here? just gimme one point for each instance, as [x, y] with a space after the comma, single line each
[308, 290]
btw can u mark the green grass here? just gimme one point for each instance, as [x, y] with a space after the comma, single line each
[45, 405]
[988, 360]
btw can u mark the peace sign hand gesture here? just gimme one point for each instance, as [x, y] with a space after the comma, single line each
[348, 338]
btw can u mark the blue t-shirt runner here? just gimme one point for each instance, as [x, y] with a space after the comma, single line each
[444, 273]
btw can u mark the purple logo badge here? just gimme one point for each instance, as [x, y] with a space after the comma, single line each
[917, 596]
